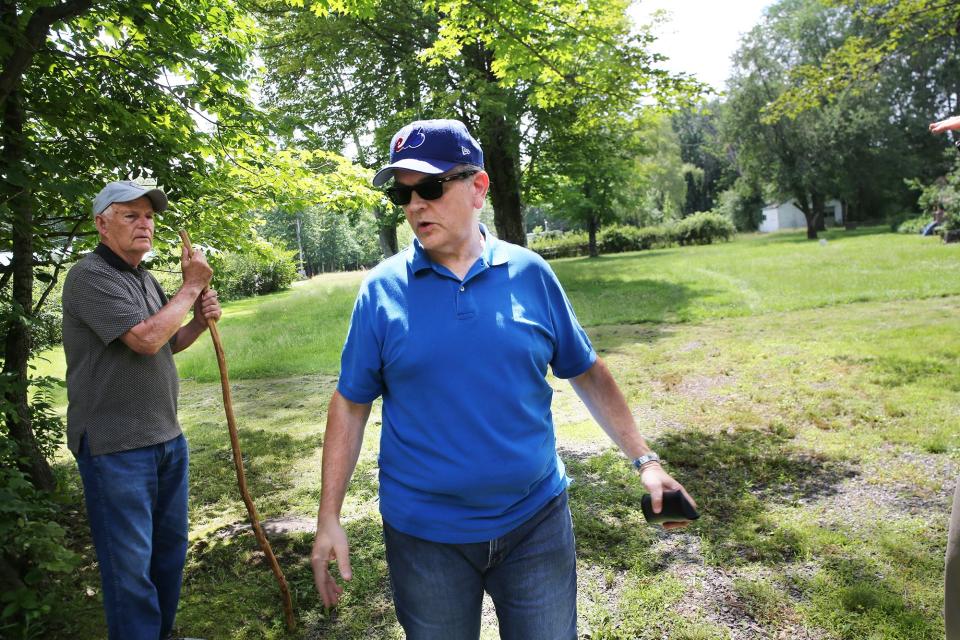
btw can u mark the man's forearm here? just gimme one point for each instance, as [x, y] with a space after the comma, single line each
[600, 393]
[187, 334]
[149, 336]
[342, 441]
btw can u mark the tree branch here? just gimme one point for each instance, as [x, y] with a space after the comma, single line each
[519, 39]
[34, 35]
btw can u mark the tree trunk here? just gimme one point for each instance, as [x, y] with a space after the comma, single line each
[500, 138]
[809, 214]
[386, 233]
[17, 339]
[818, 202]
[502, 163]
[592, 226]
[300, 269]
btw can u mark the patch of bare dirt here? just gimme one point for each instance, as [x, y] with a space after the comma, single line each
[284, 525]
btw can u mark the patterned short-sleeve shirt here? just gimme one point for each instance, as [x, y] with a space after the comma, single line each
[119, 398]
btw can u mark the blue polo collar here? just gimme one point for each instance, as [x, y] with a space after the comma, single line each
[494, 253]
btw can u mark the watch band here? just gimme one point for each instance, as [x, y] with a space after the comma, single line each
[644, 459]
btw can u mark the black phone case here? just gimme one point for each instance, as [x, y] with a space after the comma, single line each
[676, 508]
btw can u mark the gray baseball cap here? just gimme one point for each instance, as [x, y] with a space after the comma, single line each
[126, 191]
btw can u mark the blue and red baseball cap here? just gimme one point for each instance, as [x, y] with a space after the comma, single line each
[431, 146]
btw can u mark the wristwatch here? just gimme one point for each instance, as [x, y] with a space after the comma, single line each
[644, 459]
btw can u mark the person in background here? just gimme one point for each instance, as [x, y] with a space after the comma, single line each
[951, 596]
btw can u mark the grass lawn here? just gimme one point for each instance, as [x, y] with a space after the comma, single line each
[806, 394]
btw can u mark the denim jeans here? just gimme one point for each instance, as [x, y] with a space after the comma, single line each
[530, 574]
[137, 507]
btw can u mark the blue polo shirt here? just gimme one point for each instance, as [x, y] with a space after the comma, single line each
[467, 447]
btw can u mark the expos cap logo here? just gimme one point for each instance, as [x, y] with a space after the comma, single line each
[411, 141]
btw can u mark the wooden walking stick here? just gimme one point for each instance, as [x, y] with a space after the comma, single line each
[238, 463]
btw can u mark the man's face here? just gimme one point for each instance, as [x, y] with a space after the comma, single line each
[444, 225]
[127, 228]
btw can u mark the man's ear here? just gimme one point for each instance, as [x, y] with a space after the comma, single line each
[481, 184]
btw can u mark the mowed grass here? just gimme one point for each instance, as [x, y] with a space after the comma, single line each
[758, 274]
[819, 439]
[301, 331]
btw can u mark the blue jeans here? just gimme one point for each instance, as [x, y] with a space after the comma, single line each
[137, 507]
[530, 574]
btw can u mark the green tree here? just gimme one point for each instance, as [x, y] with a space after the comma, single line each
[915, 40]
[91, 92]
[582, 173]
[491, 63]
[664, 176]
[851, 148]
[698, 134]
[326, 240]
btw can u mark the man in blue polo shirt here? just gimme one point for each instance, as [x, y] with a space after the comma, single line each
[456, 333]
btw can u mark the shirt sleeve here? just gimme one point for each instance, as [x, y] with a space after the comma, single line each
[102, 303]
[361, 365]
[573, 353]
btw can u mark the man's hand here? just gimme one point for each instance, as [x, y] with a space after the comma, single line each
[207, 307]
[196, 271]
[330, 545]
[656, 481]
[949, 124]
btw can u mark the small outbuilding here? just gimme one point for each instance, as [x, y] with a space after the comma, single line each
[787, 215]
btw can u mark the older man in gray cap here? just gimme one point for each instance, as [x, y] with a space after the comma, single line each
[119, 334]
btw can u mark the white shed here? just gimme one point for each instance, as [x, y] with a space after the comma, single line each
[787, 215]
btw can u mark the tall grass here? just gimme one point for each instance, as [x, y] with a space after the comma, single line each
[296, 332]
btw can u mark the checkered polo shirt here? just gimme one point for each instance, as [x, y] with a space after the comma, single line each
[121, 399]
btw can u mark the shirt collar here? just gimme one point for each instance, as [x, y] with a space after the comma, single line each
[494, 252]
[114, 260]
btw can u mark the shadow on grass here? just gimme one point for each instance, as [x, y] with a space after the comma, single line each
[230, 591]
[832, 234]
[605, 297]
[733, 478]
[854, 598]
[856, 578]
[268, 457]
[609, 338]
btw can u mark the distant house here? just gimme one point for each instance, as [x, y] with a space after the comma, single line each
[787, 215]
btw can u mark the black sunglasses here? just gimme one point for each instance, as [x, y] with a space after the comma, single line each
[400, 194]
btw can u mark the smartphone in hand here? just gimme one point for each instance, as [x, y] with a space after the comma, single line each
[676, 508]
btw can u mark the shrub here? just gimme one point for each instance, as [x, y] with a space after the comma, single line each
[263, 270]
[619, 238]
[32, 545]
[742, 205]
[704, 228]
[942, 194]
[565, 245]
[914, 225]
[612, 239]
[32, 550]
